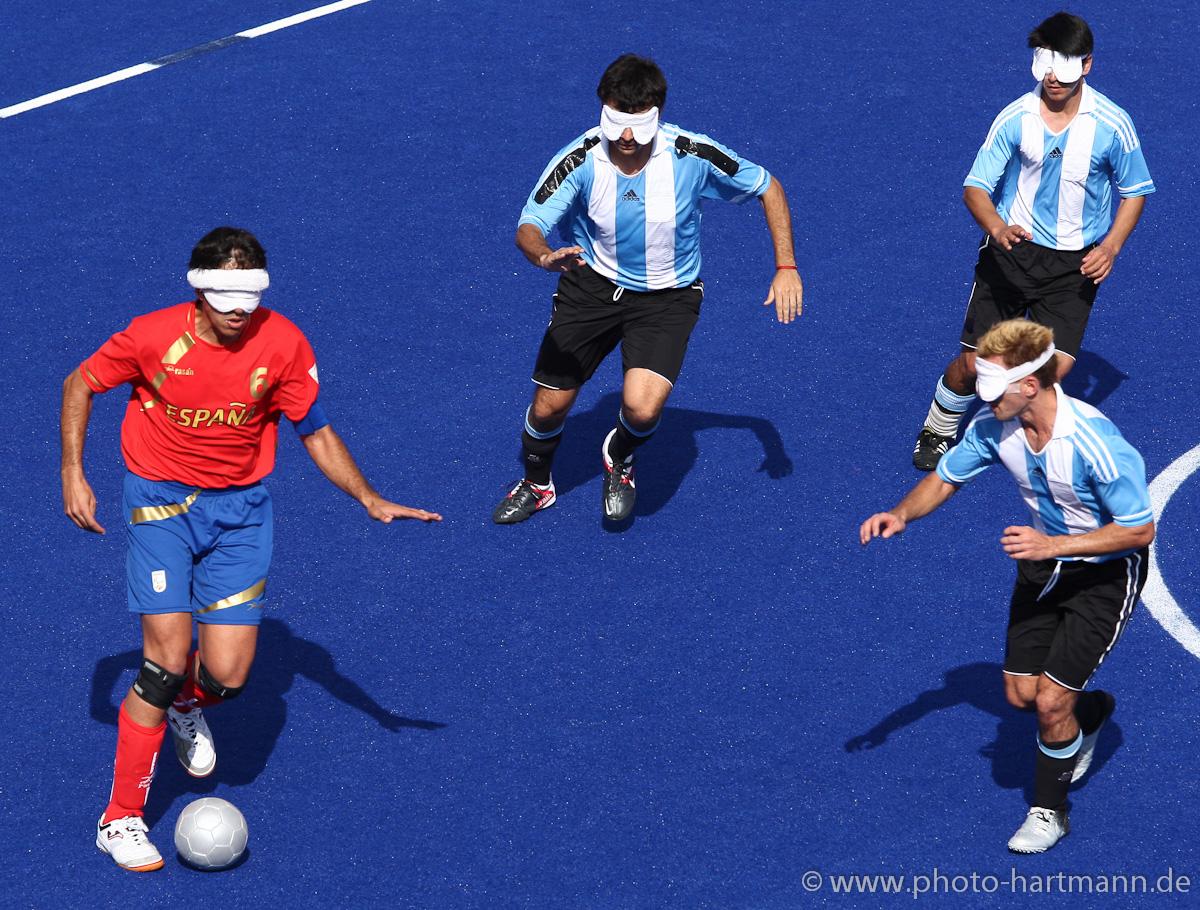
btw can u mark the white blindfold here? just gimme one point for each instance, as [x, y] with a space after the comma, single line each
[227, 290]
[1066, 69]
[613, 123]
[992, 380]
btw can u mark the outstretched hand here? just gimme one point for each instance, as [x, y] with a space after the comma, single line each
[881, 524]
[387, 512]
[787, 293]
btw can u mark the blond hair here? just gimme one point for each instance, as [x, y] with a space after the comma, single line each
[1018, 341]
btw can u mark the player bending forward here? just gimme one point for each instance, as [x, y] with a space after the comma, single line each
[1080, 568]
[210, 379]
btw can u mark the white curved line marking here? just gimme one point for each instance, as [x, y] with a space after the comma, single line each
[1155, 596]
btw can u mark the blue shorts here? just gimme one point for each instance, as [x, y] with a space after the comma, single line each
[198, 551]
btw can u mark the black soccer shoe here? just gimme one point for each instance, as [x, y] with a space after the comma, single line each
[929, 449]
[522, 501]
[619, 492]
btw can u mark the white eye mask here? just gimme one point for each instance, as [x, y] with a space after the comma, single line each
[613, 123]
[992, 380]
[227, 290]
[1066, 69]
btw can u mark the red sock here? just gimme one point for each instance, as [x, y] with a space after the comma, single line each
[191, 695]
[133, 768]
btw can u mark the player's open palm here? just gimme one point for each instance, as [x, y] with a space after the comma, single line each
[387, 512]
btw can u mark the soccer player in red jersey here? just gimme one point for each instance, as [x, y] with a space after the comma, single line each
[210, 380]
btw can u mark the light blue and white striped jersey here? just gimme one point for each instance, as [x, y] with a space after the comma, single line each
[1058, 186]
[1087, 476]
[641, 232]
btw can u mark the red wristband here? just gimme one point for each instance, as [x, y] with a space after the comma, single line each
[781, 267]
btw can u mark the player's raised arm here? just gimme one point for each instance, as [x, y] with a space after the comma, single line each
[330, 454]
[787, 291]
[79, 502]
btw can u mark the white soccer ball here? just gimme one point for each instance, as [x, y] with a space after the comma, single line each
[211, 834]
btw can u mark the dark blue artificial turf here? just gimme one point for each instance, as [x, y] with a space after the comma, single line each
[691, 711]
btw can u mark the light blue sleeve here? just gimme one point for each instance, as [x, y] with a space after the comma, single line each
[1129, 168]
[1123, 492]
[728, 176]
[558, 186]
[979, 449]
[1002, 142]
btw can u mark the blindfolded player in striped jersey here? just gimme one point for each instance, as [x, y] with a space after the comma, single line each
[1080, 566]
[626, 196]
[1041, 189]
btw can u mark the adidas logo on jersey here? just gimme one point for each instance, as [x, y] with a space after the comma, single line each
[631, 196]
[1057, 153]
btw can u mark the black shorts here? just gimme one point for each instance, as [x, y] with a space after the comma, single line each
[1068, 632]
[1030, 281]
[591, 314]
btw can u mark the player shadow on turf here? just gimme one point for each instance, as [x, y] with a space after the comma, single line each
[245, 730]
[667, 459]
[981, 686]
[1092, 379]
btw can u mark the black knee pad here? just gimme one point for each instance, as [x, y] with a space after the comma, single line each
[156, 686]
[212, 687]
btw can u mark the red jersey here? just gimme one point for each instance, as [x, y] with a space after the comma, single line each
[200, 413]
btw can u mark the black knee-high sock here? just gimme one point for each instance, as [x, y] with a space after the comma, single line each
[624, 443]
[1090, 708]
[538, 456]
[1052, 777]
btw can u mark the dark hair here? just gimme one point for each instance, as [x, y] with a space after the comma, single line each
[1064, 33]
[226, 244]
[633, 84]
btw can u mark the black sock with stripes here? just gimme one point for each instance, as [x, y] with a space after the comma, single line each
[1091, 708]
[1052, 776]
[538, 457]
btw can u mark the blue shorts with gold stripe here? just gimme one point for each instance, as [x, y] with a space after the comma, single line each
[198, 551]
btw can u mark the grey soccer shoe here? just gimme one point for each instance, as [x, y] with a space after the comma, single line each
[193, 741]
[126, 840]
[1087, 748]
[522, 501]
[1042, 829]
[929, 449]
[619, 492]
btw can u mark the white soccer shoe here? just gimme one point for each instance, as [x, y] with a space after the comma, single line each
[126, 840]
[1042, 829]
[193, 741]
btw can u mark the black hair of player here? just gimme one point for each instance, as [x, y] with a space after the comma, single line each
[1064, 33]
[634, 84]
[228, 244]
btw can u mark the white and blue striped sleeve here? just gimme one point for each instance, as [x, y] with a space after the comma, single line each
[978, 450]
[558, 186]
[1002, 142]
[727, 176]
[1129, 167]
[1118, 474]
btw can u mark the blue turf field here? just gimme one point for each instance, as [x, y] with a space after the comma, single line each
[693, 711]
